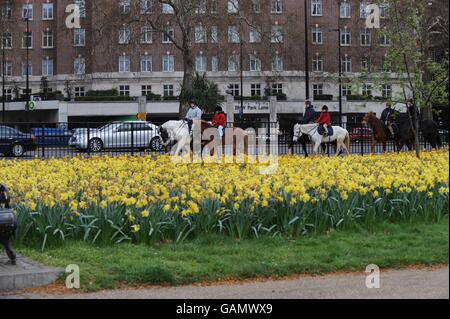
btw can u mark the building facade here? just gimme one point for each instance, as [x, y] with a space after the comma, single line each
[115, 47]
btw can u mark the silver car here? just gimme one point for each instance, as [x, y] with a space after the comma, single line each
[126, 135]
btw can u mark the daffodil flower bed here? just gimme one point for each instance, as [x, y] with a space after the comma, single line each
[146, 199]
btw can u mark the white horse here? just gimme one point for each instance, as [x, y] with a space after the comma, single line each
[175, 133]
[340, 135]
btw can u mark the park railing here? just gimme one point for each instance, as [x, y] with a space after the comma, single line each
[60, 140]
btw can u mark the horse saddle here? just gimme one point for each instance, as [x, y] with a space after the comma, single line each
[321, 130]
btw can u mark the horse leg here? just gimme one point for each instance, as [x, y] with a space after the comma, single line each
[339, 146]
[305, 149]
[316, 147]
[372, 147]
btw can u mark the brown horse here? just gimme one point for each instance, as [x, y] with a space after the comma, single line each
[378, 131]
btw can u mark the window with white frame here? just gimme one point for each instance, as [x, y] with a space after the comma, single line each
[47, 11]
[169, 32]
[256, 6]
[277, 63]
[276, 6]
[316, 8]
[124, 35]
[47, 39]
[255, 63]
[124, 64]
[167, 8]
[347, 64]
[124, 90]
[146, 34]
[255, 89]
[168, 63]
[146, 90]
[346, 37]
[201, 34]
[317, 35]
[27, 11]
[384, 40]
[146, 63]
[345, 10]
[27, 67]
[366, 37]
[47, 67]
[386, 91]
[125, 6]
[201, 7]
[79, 91]
[366, 90]
[146, 6]
[215, 63]
[233, 6]
[233, 63]
[81, 4]
[346, 90]
[79, 66]
[277, 34]
[386, 65]
[6, 40]
[201, 63]
[168, 90]
[317, 89]
[214, 34]
[366, 64]
[277, 88]
[255, 35]
[8, 68]
[8, 94]
[234, 89]
[363, 10]
[6, 10]
[27, 40]
[317, 63]
[79, 37]
[384, 10]
[233, 34]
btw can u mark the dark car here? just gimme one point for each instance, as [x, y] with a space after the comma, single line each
[52, 136]
[15, 143]
[361, 133]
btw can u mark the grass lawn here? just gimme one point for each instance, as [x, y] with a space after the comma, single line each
[216, 258]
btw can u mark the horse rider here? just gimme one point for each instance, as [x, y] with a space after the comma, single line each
[411, 106]
[388, 117]
[219, 120]
[324, 120]
[309, 116]
[194, 114]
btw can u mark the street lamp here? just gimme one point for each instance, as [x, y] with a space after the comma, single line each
[338, 30]
[241, 63]
[307, 92]
[3, 79]
[27, 96]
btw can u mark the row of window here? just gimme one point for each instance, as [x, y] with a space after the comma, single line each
[365, 37]
[347, 90]
[47, 11]
[201, 64]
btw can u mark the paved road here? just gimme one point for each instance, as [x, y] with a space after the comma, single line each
[424, 283]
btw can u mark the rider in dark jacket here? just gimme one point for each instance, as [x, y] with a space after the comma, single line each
[388, 118]
[310, 114]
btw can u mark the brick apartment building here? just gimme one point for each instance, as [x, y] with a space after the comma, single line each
[115, 48]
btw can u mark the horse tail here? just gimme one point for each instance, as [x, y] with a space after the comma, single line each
[347, 141]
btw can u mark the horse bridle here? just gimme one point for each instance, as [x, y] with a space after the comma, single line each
[307, 133]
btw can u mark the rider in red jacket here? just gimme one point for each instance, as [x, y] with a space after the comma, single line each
[219, 120]
[324, 119]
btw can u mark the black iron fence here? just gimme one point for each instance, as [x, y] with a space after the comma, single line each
[59, 140]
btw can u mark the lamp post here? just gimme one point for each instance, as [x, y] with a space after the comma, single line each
[27, 95]
[338, 30]
[3, 80]
[241, 63]
[307, 92]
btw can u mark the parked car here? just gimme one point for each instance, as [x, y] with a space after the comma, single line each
[126, 135]
[15, 143]
[361, 133]
[51, 136]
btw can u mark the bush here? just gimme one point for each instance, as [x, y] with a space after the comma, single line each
[323, 97]
[104, 98]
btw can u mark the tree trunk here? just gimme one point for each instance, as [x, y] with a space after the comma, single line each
[416, 131]
[188, 81]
